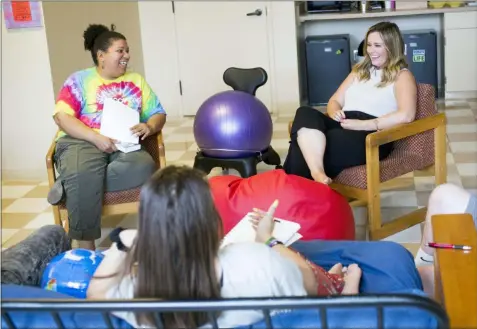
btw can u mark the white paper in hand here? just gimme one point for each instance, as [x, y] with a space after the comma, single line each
[284, 231]
[117, 120]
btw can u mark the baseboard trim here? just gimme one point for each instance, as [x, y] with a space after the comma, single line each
[24, 175]
[461, 94]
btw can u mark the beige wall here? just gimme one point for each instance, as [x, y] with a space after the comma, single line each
[28, 92]
[64, 33]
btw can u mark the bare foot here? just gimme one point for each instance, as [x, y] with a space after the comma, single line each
[336, 269]
[320, 176]
[352, 278]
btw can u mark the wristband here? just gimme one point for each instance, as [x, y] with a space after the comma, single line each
[114, 237]
[376, 124]
[272, 242]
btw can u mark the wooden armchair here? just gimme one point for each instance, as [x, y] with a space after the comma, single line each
[114, 203]
[418, 145]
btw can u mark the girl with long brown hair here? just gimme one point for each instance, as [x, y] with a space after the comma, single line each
[175, 254]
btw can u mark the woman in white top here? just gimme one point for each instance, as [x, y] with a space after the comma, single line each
[378, 94]
[175, 254]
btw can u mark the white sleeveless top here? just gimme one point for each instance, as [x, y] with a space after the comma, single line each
[248, 270]
[366, 97]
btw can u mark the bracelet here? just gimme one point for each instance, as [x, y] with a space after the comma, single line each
[376, 123]
[272, 242]
[114, 237]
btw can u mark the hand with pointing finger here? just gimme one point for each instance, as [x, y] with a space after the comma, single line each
[263, 222]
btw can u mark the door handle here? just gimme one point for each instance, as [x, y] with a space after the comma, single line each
[257, 12]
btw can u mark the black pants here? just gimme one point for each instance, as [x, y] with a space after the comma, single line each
[344, 148]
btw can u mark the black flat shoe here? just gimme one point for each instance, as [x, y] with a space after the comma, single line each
[56, 194]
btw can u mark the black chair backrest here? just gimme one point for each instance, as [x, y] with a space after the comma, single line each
[246, 80]
[361, 49]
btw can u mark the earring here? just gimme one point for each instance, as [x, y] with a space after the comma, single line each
[102, 65]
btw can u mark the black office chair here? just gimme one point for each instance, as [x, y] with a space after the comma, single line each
[246, 80]
[361, 49]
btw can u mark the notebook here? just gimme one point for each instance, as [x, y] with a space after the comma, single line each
[116, 122]
[127, 147]
[284, 231]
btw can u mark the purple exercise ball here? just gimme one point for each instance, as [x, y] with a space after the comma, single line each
[232, 124]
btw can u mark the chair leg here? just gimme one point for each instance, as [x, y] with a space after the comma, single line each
[56, 215]
[374, 214]
[202, 164]
[271, 157]
[440, 166]
[66, 225]
[247, 168]
[373, 189]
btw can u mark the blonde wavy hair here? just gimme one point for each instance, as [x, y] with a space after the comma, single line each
[394, 45]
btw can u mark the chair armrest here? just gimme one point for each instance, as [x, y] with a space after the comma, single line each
[50, 163]
[50, 156]
[405, 130]
[456, 270]
[161, 148]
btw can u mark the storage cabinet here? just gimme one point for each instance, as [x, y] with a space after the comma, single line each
[327, 65]
[421, 53]
[460, 31]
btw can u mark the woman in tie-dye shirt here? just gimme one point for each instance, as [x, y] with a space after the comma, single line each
[88, 162]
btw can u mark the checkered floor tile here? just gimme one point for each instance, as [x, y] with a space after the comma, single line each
[24, 205]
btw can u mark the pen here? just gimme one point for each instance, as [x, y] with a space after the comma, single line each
[448, 246]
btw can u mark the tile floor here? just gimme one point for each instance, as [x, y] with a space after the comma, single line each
[24, 205]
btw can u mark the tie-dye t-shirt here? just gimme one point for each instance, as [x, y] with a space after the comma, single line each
[84, 92]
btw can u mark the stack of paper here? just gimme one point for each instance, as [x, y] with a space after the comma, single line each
[117, 120]
[284, 231]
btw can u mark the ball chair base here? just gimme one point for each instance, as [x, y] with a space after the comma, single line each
[246, 166]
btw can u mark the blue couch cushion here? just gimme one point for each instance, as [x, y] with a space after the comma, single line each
[362, 317]
[42, 320]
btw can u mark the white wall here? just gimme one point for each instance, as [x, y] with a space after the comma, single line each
[27, 103]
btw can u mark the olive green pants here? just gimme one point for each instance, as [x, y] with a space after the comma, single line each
[86, 173]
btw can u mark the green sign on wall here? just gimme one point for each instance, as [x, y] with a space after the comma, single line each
[418, 55]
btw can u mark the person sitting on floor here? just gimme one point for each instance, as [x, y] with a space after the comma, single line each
[379, 93]
[88, 162]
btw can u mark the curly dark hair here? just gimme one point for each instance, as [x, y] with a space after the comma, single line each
[99, 37]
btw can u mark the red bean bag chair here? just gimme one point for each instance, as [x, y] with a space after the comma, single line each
[321, 212]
